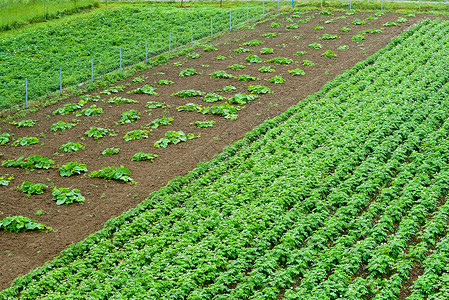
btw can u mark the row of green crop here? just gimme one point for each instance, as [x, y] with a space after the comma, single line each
[37, 55]
[298, 198]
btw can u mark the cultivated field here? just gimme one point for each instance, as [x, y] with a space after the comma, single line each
[337, 194]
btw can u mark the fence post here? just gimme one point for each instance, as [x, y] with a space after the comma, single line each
[26, 92]
[169, 42]
[278, 5]
[293, 3]
[191, 35]
[263, 8]
[381, 4]
[247, 14]
[230, 20]
[45, 10]
[92, 68]
[120, 59]
[146, 50]
[321, 3]
[60, 80]
[419, 5]
[211, 30]
[350, 4]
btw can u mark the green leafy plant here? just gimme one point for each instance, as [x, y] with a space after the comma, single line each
[140, 156]
[31, 162]
[329, 21]
[61, 125]
[6, 179]
[172, 137]
[129, 117]
[188, 72]
[275, 25]
[358, 37]
[18, 224]
[326, 12]
[24, 123]
[306, 62]
[146, 89]
[5, 138]
[292, 26]
[93, 110]
[327, 36]
[303, 21]
[297, 72]
[373, 30]
[277, 79]
[372, 18]
[329, 53]
[315, 46]
[114, 89]
[68, 108]
[379, 14]
[165, 82]
[253, 59]
[389, 24]
[190, 107]
[223, 109]
[155, 104]
[345, 29]
[299, 53]
[204, 124]
[401, 20]
[351, 12]
[220, 74]
[220, 57]
[358, 22]
[236, 67]
[26, 141]
[193, 55]
[138, 79]
[210, 48]
[259, 89]
[113, 173]
[242, 98]
[120, 100]
[229, 88]
[30, 188]
[266, 51]
[266, 69]
[163, 121]
[72, 168]
[270, 34]
[281, 60]
[318, 27]
[89, 98]
[67, 196]
[253, 43]
[136, 135]
[241, 50]
[297, 37]
[97, 132]
[188, 93]
[246, 77]
[71, 147]
[212, 97]
[110, 151]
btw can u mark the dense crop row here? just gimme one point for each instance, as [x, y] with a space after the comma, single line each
[38, 55]
[340, 196]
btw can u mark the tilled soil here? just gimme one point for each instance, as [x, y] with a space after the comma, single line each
[20, 253]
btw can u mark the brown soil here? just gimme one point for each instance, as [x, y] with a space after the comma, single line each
[20, 253]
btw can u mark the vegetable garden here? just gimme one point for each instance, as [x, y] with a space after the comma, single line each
[340, 195]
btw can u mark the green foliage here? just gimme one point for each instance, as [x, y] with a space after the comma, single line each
[266, 51]
[204, 124]
[165, 82]
[89, 98]
[189, 93]
[343, 47]
[110, 151]
[68, 108]
[129, 117]
[72, 168]
[299, 53]
[61, 126]
[188, 72]
[379, 14]
[345, 29]
[190, 107]
[318, 27]
[31, 162]
[97, 132]
[277, 79]
[373, 30]
[236, 67]
[401, 20]
[389, 24]
[242, 98]
[71, 147]
[26, 141]
[242, 50]
[253, 43]
[315, 46]
[270, 34]
[220, 74]
[155, 104]
[172, 137]
[292, 26]
[281, 60]
[210, 48]
[6, 179]
[136, 135]
[275, 25]
[229, 88]
[259, 89]
[358, 22]
[303, 21]
[193, 55]
[246, 77]
[30, 188]
[351, 12]
[163, 121]
[212, 97]
[113, 173]
[297, 72]
[18, 224]
[146, 89]
[327, 36]
[358, 37]
[220, 57]
[5, 138]
[329, 53]
[140, 156]
[120, 100]
[67, 196]
[326, 12]
[266, 69]
[114, 89]
[90, 111]
[306, 62]
[24, 123]
[223, 109]
[138, 79]
[253, 59]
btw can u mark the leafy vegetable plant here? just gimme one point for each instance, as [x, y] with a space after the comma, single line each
[5, 138]
[114, 89]
[212, 97]
[71, 147]
[163, 121]
[315, 46]
[30, 188]
[119, 100]
[5, 180]
[246, 77]
[345, 29]
[97, 132]
[220, 74]
[252, 43]
[18, 224]
[138, 79]
[67, 196]
[296, 72]
[266, 51]
[26, 141]
[266, 69]
[113, 173]
[220, 57]
[24, 123]
[204, 124]
[72, 168]
[236, 67]
[318, 28]
[229, 88]
[61, 125]
[327, 36]
[129, 117]
[306, 62]
[259, 89]
[373, 30]
[358, 22]
[193, 55]
[68, 108]
[155, 104]
[140, 156]
[146, 89]
[223, 109]
[292, 26]
[210, 48]
[329, 53]
[275, 25]
[277, 79]
[172, 137]
[358, 37]
[93, 110]
[299, 53]
[110, 151]
[165, 82]
[241, 50]
[190, 107]
[270, 34]
[253, 59]
[242, 98]
[188, 72]
[31, 162]
[281, 60]
[136, 135]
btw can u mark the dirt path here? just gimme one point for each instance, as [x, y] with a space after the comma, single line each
[20, 253]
